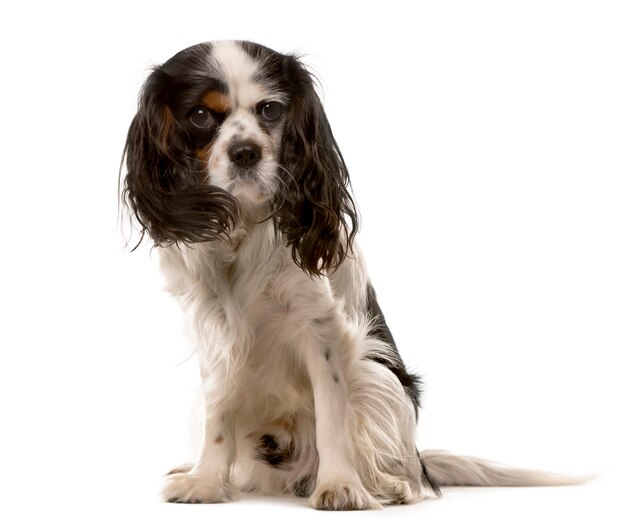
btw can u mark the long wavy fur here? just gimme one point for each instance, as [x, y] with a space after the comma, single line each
[164, 185]
[318, 216]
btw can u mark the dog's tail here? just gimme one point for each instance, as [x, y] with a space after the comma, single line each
[446, 469]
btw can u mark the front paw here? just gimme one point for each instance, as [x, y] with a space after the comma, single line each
[343, 496]
[183, 487]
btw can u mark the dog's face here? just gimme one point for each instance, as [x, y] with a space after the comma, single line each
[230, 108]
[227, 127]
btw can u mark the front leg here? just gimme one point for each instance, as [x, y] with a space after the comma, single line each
[339, 486]
[207, 480]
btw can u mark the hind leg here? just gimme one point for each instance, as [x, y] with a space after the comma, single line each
[279, 457]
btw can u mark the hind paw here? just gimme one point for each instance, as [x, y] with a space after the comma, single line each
[401, 492]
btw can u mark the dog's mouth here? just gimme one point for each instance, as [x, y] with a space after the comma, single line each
[250, 186]
[250, 176]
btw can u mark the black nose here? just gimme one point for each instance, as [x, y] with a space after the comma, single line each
[244, 154]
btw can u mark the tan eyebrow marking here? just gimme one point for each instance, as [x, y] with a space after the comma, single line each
[216, 101]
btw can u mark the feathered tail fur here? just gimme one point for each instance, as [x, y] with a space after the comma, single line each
[447, 469]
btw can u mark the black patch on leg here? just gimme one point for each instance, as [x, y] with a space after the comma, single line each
[380, 330]
[270, 451]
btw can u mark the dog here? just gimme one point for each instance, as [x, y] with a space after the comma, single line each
[233, 171]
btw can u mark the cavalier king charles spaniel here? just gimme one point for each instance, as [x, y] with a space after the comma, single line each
[234, 173]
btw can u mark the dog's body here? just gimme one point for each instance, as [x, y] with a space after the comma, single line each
[234, 172]
[289, 372]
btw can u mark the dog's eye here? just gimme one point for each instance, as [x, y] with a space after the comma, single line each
[200, 117]
[270, 110]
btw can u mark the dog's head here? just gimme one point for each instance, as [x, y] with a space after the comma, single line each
[228, 127]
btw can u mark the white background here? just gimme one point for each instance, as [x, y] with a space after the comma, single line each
[486, 142]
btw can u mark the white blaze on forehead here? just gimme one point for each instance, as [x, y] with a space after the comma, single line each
[238, 69]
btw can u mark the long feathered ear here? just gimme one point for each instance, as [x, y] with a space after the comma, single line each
[317, 215]
[164, 185]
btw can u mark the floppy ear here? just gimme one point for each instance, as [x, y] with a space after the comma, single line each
[164, 185]
[317, 215]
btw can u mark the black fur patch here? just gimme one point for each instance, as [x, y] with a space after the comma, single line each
[270, 451]
[380, 330]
